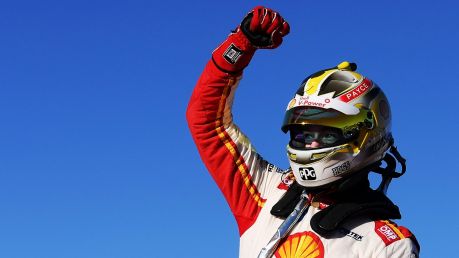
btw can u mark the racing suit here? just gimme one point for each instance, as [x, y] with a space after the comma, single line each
[251, 186]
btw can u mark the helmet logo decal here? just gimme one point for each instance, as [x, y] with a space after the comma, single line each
[357, 91]
[307, 173]
[291, 104]
[324, 101]
[301, 245]
[304, 101]
[341, 168]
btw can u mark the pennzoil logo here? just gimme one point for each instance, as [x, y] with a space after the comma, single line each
[301, 245]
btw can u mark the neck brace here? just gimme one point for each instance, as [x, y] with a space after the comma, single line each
[351, 199]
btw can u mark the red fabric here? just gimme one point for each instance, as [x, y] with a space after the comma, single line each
[205, 118]
[240, 42]
[405, 231]
[269, 22]
[390, 232]
[205, 123]
[386, 233]
[235, 53]
[357, 91]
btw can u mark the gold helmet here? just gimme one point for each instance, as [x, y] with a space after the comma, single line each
[350, 117]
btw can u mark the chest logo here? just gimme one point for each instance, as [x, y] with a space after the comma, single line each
[301, 245]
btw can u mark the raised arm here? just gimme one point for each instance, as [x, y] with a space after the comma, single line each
[241, 174]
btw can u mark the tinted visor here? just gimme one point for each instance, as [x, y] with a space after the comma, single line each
[348, 124]
[315, 137]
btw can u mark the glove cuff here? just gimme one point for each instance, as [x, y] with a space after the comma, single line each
[234, 54]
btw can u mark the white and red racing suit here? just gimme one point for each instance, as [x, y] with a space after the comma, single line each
[251, 186]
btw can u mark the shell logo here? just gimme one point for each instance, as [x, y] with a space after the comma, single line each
[301, 245]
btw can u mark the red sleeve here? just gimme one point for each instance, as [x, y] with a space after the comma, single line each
[234, 164]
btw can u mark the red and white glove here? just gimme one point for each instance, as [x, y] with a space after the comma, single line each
[261, 28]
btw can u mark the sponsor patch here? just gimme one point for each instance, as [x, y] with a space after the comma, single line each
[303, 244]
[272, 168]
[342, 168]
[308, 173]
[357, 91]
[389, 232]
[351, 234]
[232, 54]
[286, 180]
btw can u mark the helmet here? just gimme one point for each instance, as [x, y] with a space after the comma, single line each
[356, 112]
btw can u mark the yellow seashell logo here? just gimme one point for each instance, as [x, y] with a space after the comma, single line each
[301, 245]
[291, 104]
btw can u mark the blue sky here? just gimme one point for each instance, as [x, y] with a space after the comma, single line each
[95, 156]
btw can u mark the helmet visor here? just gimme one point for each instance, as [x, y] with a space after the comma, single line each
[348, 124]
[315, 137]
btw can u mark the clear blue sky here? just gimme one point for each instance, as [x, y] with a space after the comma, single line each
[96, 160]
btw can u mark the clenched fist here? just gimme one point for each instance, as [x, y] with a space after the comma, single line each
[264, 27]
[261, 28]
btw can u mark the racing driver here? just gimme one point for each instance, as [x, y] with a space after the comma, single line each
[339, 124]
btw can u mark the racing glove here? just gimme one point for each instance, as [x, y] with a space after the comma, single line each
[261, 28]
